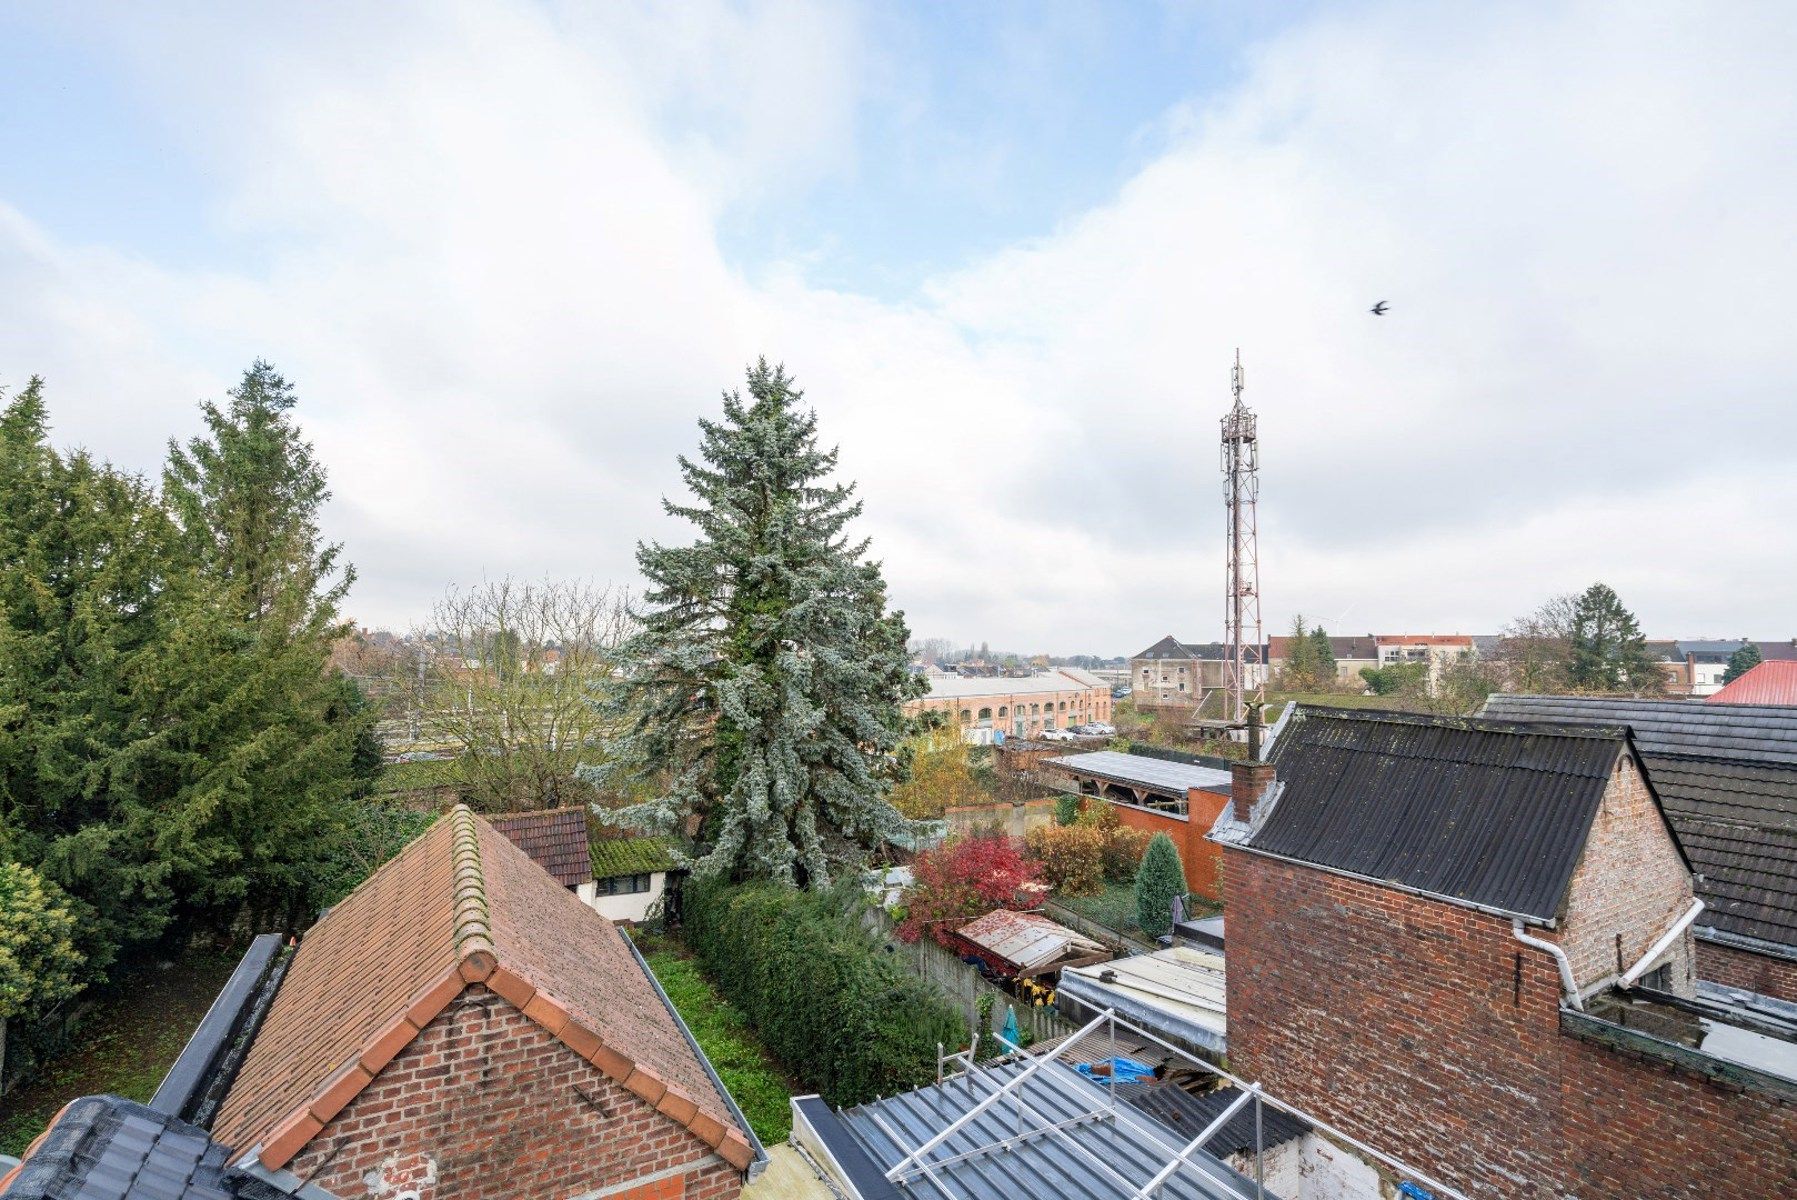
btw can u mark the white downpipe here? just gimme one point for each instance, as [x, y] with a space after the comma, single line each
[1567, 987]
[1658, 948]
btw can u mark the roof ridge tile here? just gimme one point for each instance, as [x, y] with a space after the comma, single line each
[473, 928]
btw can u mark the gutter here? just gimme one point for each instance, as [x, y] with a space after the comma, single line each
[207, 1066]
[1660, 947]
[758, 1164]
[1569, 990]
[1746, 944]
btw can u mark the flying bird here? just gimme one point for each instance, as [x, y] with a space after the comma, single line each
[1378, 310]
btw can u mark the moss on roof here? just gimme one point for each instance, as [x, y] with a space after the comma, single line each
[616, 856]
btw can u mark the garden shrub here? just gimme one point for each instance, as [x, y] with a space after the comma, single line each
[1160, 878]
[1072, 857]
[965, 878]
[1066, 808]
[840, 1014]
[1123, 850]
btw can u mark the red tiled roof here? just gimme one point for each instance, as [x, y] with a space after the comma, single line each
[1767, 683]
[461, 905]
[555, 839]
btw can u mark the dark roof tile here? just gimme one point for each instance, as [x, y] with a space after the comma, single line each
[555, 839]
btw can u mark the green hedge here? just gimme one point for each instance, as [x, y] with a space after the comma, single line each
[840, 1014]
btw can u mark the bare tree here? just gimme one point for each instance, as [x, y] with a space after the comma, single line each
[1535, 652]
[513, 674]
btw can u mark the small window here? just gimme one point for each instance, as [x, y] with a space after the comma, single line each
[625, 885]
[1003, 712]
[967, 716]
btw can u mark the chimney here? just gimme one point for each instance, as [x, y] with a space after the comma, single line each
[1249, 782]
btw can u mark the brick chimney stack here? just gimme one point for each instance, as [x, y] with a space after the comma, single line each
[1248, 784]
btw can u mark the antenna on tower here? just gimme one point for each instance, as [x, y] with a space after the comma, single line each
[1244, 673]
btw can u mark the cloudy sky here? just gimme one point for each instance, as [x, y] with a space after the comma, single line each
[510, 252]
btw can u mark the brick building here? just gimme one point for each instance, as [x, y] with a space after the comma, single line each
[1466, 942]
[461, 1027]
[1178, 796]
[1727, 774]
[1017, 706]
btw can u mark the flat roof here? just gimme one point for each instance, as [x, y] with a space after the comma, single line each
[1180, 991]
[1139, 770]
[956, 687]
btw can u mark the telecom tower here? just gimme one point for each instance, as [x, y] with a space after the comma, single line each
[1241, 488]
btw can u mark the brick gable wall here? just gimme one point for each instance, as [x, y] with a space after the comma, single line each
[1425, 1029]
[1760, 973]
[486, 1105]
[1630, 885]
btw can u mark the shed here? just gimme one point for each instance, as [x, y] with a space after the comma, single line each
[1019, 944]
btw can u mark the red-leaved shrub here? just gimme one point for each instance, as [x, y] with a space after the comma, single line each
[965, 878]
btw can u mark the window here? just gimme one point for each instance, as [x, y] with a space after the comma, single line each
[1063, 706]
[1003, 712]
[1034, 709]
[967, 716]
[985, 718]
[624, 885]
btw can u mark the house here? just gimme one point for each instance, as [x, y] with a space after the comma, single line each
[1768, 682]
[1467, 944]
[630, 876]
[556, 840]
[460, 1027]
[1178, 795]
[1727, 775]
[990, 709]
[1706, 660]
[1019, 945]
[1179, 675]
[1352, 654]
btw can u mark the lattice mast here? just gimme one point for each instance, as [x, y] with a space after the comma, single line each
[1241, 489]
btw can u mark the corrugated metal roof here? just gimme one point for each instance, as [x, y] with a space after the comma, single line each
[962, 687]
[1484, 812]
[1186, 1114]
[1139, 770]
[1727, 775]
[1178, 994]
[1765, 683]
[1692, 728]
[1027, 939]
[1128, 1142]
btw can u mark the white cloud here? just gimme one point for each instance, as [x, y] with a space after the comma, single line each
[486, 250]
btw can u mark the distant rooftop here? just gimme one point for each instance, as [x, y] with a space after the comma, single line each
[1766, 683]
[1139, 770]
[958, 686]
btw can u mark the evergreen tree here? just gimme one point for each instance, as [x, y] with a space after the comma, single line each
[1325, 655]
[1301, 658]
[765, 684]
[1609, 652]
[1159, 879]
[1743, 660]
[278, 744]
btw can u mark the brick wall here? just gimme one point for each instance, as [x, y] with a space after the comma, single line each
[1744, 969]
[1629, 887]
[486, 1105]
[1425, 1029]
[1198, 855]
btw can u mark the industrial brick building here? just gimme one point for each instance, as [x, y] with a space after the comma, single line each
[994, 707]
[1468, 943]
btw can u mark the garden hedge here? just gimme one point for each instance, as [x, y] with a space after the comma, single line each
[841, 1014]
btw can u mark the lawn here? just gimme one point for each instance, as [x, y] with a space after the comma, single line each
[729, 1042]
[124, 1046]
[1115, 908]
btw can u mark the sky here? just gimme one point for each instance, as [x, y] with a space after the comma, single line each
[510, 253]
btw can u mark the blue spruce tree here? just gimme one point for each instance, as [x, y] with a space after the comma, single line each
[762, 693]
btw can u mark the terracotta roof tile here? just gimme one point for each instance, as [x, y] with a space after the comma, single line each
[555, 839]
[460, 904]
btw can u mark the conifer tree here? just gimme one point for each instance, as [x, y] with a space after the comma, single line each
[1745, 658]
[1608, 651]
[1159, 879]
[763, 689]
[1325, 655]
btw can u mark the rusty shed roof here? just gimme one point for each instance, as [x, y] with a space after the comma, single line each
[1490, 813]
[1028, 939]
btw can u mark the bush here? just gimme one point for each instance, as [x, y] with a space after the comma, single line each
[841, 1016]
[1160, 878]
[39, 964]
[965, 878]
[1123, 851]
[1072, 857]
[1066, 808]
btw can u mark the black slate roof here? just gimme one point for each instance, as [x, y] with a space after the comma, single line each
[1188, 1116]
[1727, 776]
[1490, 813]
[109, 1148]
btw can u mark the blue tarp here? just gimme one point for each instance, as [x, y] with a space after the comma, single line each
[1122, 1070]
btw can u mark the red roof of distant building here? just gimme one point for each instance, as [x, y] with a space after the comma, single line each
[555, 839]
[1767, 683]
